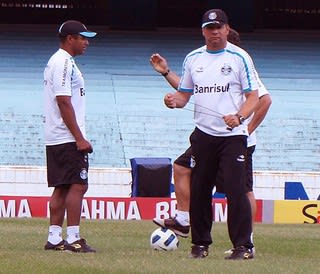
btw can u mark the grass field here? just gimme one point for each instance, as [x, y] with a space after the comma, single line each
[123, 247]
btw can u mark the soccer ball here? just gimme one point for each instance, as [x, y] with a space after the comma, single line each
[164, 239]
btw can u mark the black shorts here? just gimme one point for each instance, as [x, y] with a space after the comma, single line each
[185, 160]
[66, 165]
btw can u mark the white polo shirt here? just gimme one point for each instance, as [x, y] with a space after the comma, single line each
[218, 81]
[252, 139]
[62, 78]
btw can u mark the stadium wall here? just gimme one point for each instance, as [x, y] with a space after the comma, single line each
[282, 197]
[117, 182]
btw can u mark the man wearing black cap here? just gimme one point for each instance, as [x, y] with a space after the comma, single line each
[180, 223]
[222, 79]
[66, 145]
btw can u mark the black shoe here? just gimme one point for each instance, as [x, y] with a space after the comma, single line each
[199, 252]
[174, 225]
[59, 246]
[79, 246]
[229, 251]
[240, 253]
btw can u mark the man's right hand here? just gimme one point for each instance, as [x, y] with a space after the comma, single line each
[159, 63]
[170, 100]
[84, 145]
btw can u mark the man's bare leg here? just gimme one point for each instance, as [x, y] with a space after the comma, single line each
[74, 206]
[182, 177]
[180, 224]
[57, 213]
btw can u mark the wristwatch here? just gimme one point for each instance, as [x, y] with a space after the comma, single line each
[241, 118]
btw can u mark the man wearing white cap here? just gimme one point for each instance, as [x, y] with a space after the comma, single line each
[65, 138]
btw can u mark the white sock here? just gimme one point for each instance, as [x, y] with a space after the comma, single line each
[251, 238]
[183, 217]
[73, 234]
[55, 234]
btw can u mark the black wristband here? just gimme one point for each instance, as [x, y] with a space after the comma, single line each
[241, 118]
[166, 73]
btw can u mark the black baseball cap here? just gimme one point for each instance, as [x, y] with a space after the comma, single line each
[75, 27]
[214, 16]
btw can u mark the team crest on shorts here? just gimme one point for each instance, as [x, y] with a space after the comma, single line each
[83, 174]
[226, 69]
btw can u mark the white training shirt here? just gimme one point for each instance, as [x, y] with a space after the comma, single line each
[62, 78]
[252, 138]
[218, 81]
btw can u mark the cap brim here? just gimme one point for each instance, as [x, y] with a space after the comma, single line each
[88, 34]
[212, 22]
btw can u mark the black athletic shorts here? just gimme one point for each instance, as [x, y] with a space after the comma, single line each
[66, 165]
[185, 160]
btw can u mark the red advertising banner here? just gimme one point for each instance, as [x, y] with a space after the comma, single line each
[109, 208]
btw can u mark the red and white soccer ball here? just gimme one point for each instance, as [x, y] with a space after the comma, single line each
[164, 239]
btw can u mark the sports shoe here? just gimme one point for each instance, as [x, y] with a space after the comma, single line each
[79, 246]
[174, 225]
[240, 253]
[59, 246]
[199, 252]
[230, 251]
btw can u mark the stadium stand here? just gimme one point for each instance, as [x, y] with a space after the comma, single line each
[126, 117]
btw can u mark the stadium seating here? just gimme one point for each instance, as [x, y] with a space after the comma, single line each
[126, 117]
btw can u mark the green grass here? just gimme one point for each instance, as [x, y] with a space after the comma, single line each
[123, 247]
